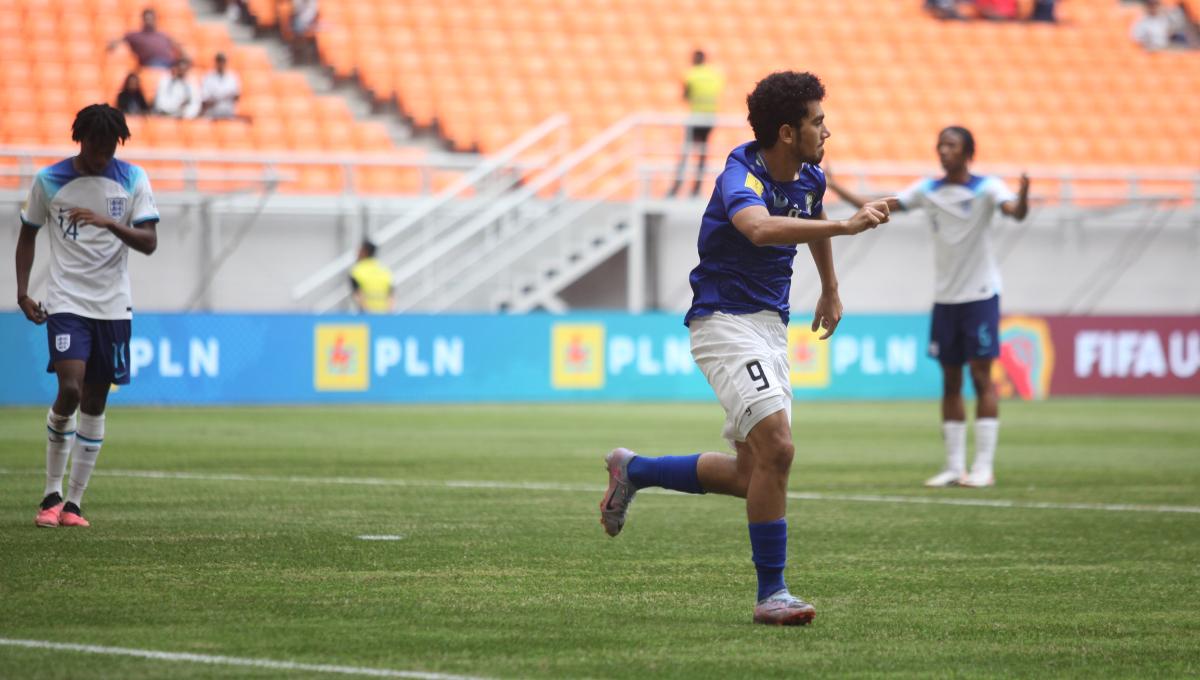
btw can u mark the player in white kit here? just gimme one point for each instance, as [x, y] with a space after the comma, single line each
[966, 313]
[94, 208]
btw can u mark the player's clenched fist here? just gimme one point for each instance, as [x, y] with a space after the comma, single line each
[869, 216]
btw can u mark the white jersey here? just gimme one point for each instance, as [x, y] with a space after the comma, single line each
[961, 218]
[89, 273]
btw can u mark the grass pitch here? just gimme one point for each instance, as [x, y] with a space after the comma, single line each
[254, 552]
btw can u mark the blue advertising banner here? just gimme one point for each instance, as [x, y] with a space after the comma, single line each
[304, 359]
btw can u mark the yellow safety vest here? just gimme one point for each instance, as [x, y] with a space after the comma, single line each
[704, 85]
[374, 283]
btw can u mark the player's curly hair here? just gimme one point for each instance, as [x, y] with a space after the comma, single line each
[968, 139]
[100, 124]
[781, 98]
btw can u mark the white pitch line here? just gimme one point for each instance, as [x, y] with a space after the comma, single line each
[591, 488]
[380, 537]
[231, 660]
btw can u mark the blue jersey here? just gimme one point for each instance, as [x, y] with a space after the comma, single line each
[734, 275]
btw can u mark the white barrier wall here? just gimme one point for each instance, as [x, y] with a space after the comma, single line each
[1133, 261]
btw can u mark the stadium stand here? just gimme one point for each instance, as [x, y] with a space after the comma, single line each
[482, 71]
[44, 80]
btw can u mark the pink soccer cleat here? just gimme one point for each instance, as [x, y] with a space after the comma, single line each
[784, 609]
[49, 517]
[72, 516]
[620, 491]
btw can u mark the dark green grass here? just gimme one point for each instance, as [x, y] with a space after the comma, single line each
[509, 583]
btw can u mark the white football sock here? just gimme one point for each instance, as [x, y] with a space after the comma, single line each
[60, 434]
[88, 439]
[987, 431]
[954, 436]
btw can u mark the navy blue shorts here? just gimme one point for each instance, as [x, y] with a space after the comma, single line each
[102, 344]
[962, 332]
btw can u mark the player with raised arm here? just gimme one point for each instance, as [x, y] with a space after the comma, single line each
[965, 328]
[767, 201]
[95, 209]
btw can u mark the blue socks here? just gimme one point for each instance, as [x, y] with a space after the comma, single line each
[768, 543]
[677, 473]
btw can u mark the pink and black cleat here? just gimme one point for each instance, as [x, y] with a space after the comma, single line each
[49, 515]
[784, 609]
[620, 491]
[72, 516]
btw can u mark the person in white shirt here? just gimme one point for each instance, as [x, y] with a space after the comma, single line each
[966, 313]
[1162, 27]
[94, 208]
[178, 94]
[221, 90]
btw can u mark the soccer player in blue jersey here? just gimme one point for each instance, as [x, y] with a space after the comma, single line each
[767, 201]
[94, 208]
[966, 311]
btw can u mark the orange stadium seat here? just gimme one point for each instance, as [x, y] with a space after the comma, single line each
[603, 60]
[45, 81]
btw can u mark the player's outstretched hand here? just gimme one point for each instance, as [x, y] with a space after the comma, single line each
[34, 311]
[1024, 186]
[871, 215]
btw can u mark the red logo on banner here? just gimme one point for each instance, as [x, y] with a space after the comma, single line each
[1026, 358]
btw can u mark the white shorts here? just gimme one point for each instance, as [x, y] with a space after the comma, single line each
[744, 357]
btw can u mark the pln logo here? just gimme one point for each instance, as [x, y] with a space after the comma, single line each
[808, 358]
[1026, 358]
[340, 357]
[577, 356]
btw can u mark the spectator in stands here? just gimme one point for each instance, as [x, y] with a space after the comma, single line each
[151, 46]
[303, 24]
[1160, 27]
[943, 9]
[130, 99]
[1043, 10]
[702, 89]
[997, 10]
[372, 283]
[221, 90]
[178, 94]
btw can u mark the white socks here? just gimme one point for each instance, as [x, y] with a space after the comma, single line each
[60, 435]
[88, 439]
[954, 436]
[987, 430]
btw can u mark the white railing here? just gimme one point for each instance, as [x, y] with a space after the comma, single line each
[505, 159]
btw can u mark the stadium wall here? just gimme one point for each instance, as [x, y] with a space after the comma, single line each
[305, 359]
[1059, 261]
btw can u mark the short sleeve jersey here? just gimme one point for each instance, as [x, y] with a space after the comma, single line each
[734, 275]
[89, 273]
[961, 217]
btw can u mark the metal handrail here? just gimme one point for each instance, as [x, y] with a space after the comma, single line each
[504, 158]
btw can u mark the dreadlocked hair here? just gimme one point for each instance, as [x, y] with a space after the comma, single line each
[100, 123]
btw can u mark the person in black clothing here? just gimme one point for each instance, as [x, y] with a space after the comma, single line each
[131, 100]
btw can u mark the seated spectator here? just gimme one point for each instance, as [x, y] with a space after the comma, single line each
[130, 100]
[303, 25]
[220, 91]
[943, 9]
[178, 94]
[151, 46]
[1043, 10]
[1160, 28]
[997, 10]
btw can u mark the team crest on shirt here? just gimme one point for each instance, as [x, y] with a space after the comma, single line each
[116, 208]
[62, 342]
[780, 199]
